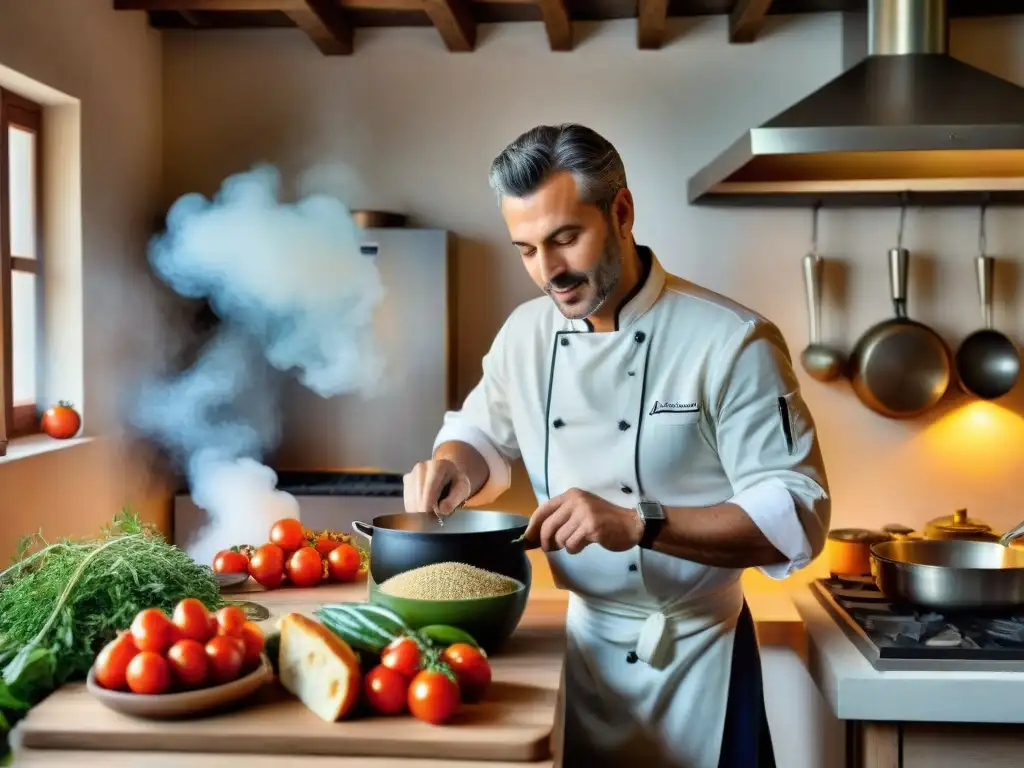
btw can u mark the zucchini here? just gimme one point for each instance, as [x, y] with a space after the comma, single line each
[349, 631]
[271, 647]
[399, 626]
[369, 624]
[444, 635]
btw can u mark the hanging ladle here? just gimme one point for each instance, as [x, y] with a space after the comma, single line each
[987, 362]
[821, 363]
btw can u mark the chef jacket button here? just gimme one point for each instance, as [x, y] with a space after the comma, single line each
[631, 657]
[639, 337]
[631, 373]
[557, 423]
[632, 566]
[623, 426]
[626, 489]
[565, 342]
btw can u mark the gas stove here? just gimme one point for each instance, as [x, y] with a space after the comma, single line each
[899, 637]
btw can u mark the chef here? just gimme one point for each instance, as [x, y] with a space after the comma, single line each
[665, 437]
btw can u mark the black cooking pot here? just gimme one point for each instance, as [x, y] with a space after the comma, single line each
[408, 540]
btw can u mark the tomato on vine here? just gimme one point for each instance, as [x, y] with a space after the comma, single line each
[471, 669]
[433, 696]
[403, 656]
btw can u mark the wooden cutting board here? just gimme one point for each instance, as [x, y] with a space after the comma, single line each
[514, 723]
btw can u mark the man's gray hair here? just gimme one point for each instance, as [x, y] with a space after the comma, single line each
[532, 158]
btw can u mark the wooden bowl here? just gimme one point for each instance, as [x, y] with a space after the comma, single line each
[184, 704]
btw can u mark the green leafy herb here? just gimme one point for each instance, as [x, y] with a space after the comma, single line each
[63, 602]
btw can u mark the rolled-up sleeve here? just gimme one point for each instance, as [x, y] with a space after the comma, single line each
[769, 448]
[485, 422]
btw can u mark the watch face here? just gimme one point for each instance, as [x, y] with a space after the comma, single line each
[652, 510]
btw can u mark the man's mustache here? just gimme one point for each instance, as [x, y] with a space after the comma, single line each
[565, 281]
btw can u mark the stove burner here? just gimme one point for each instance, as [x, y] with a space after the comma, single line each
[894, 636]
[327, 483]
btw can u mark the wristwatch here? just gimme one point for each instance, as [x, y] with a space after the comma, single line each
[653, 516]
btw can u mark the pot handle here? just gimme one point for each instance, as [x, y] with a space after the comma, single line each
[364, 529]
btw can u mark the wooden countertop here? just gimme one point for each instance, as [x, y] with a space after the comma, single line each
[69, 726]
[541, 631]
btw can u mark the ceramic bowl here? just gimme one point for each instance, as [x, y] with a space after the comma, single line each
[490, 620]
[185, 703]
[231, 579]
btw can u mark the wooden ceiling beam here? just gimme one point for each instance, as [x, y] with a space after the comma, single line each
[746, 20]
[652, 18]
[455, 23]
[557, 24]
[192, 19]
[254, 6]
[325, 24]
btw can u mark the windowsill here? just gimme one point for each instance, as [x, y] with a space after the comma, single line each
[34, 445]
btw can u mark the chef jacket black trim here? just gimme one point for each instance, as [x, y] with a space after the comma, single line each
[640, 424]
[547, 413]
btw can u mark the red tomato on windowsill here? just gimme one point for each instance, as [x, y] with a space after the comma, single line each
[61, 421]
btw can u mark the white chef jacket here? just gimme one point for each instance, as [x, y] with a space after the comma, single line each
[691, 401]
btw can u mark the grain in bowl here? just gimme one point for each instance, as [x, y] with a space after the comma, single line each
[448, 581]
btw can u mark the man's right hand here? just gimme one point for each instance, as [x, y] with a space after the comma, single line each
[425, 483]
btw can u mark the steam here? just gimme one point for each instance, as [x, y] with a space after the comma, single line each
[296, 297]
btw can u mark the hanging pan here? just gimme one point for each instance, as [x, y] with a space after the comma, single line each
[900, 368]
[987, 362]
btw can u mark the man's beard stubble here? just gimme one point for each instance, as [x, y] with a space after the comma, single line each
[603, 276]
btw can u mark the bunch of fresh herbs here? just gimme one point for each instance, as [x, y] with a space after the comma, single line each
[61, 603]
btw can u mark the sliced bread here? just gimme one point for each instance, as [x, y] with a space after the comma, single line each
[318, 667]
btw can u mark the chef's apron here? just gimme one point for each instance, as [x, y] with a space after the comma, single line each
[662, 665]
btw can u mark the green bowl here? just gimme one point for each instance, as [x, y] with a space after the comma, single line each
[490, 620]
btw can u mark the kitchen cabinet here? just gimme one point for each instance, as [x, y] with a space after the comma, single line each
[927, 745]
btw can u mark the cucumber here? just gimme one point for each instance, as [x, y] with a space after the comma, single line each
[372, 627]
[272, 646]
[348, 630]
[445, 635]
[382, 613]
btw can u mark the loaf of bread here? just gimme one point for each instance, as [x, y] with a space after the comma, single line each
[318, 667]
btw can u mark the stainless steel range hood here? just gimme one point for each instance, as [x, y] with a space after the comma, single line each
[908, 121]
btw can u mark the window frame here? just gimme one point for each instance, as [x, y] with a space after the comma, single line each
[27, 115]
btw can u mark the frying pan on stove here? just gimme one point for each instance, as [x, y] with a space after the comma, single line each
[900, 368]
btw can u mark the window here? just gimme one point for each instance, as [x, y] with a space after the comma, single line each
[20, 264]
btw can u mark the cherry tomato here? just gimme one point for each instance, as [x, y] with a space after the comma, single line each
[288, 534]
[433, 696]
[267, 566]
[343, 561]
[61, 421]
[225, 656]
[192, 620]
[304, 567]
[112, 662]
[229, 621]
[153, 631]
[324, 545]
[252, 638]
[472, 672]
[386, 690]
[227, 561]
[187, 659]
[148, 672]
[402, 655]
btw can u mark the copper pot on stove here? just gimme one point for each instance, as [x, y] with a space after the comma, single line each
[959, 526]
[848, 550]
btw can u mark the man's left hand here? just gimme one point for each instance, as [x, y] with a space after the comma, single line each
[576, 518]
